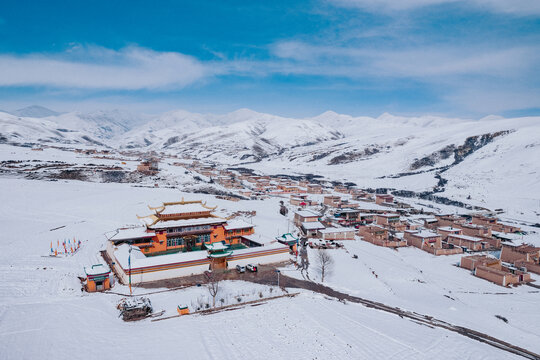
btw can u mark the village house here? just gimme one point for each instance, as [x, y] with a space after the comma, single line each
[247, 193]
[366, 218]
[423, 239]
[308, 222]
[332, 200]
[471, 243]
[391, 221]
[492, 270]
[449, 230]
[310, 228]
[384, 199]
[336, 233]
[346, 204]
[523, 252]
[337, 202]
[474, 230]
[341, 189]
[378, 235]
[493, 224]
[430, 242]
[358, 194]
[523, 255]
[290, 189]
[149, 166]
[349, 217]
[305, 216]
[302, 200]
[448, 220]
[314, 189]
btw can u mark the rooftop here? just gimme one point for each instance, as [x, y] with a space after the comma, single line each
[307, 213]
[186, 222]
[388, 215]
[237, 224]
[422, 233]
[183, 207]
[465, 237]
[336, 230]
[97, 269]
[448, 228]
[131, 233]
[312, 225]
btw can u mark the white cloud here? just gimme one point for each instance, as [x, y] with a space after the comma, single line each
[93, 67]
[516, 7]
[421, 63]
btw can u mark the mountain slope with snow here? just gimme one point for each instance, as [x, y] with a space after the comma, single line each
[242, 135]
[487, 162]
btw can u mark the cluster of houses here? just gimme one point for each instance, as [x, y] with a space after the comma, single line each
[438, 235]
[260, 186]
[149, 166]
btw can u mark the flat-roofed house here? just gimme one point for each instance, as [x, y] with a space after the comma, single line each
[391, 221]
[449, 230]
[492, 270]
[494, 224]
[301, 200]
[336, 233]
[474, 230]
[310, 228]
[423, 239]
[523, 253]
[305, 216]
[384, 199]
[470, 242]
[449, 220]
[314, 189]
[429, 241]
[378, 235]
[332, 200]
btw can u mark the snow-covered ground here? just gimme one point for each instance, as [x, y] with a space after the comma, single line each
[44, 314]
[432, 285]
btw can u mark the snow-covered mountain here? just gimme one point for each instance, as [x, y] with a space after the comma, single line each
[242, 135]
[28, 130]
[35, 111]
[458, 158]
[41, 125]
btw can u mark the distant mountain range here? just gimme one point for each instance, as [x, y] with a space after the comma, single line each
[457, 157]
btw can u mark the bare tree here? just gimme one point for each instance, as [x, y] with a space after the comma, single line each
[213, 285]
[325, 263]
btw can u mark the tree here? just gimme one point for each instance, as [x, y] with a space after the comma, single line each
[325, 263]
[213, 285]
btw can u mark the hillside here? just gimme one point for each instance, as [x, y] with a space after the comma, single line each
[488, 162]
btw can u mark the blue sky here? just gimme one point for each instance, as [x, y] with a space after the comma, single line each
[449, 57]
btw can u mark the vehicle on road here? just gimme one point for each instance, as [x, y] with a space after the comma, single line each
[240, 268]
[251, 267]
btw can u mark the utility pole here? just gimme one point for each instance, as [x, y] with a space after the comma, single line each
[129, 263]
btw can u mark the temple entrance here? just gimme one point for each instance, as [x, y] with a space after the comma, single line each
[190, 242]
[219, 263]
